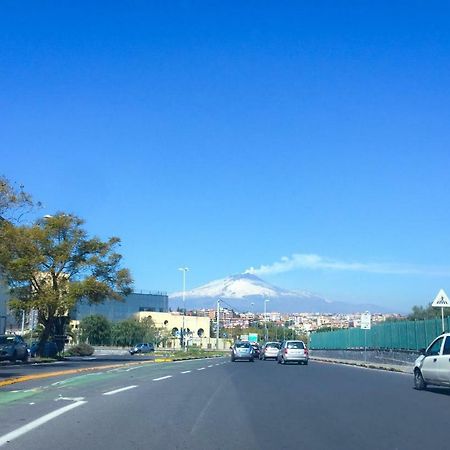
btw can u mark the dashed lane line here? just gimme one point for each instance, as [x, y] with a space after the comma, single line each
[187, 371]
[202, 368]
[162, 378]
[116, 391]
[37, 423]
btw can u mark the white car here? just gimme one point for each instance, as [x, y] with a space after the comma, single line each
[433, 365]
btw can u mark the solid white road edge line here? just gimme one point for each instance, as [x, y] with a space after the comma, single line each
[162, 378]
[120, 390]
[37, 423]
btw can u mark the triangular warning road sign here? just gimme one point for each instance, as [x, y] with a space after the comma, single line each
[441, 300]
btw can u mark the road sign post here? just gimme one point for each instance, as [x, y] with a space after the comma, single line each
[441, 301]
[366, 324]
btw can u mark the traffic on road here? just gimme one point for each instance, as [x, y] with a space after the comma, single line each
[195, 403]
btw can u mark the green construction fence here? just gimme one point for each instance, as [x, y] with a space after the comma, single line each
[398, 335]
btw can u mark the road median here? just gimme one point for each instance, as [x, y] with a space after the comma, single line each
[58, 373]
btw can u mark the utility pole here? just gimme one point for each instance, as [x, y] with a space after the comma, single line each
[217, 324]
[265, 319]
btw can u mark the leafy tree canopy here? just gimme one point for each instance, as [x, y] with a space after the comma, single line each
[53, 264]
[428, 312]
[14, 201]
[96, 330]
[131, 332]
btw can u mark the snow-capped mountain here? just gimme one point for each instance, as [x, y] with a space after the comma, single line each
[247, 292]
[236, 286]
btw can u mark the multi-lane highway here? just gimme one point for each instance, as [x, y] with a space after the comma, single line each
[216, 404]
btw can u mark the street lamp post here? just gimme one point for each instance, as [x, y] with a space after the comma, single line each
[265, 319]
[184, 270]
[218, 324]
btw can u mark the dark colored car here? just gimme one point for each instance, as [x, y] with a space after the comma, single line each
[242, 350]
[256, 349]
[13, 348]
[142, 348]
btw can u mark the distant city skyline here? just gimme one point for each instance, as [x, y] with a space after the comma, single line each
[305, 142]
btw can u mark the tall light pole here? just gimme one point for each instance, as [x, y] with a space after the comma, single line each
[184, 270]
[217, 324]
[265, 319]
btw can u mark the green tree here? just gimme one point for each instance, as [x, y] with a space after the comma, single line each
[428, 312]
[14, 201]
[52, 265]
[96, 330]
[131, 332]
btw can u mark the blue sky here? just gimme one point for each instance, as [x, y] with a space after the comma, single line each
[225, 136]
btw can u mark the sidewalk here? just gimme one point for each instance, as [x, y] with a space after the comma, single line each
[369, 364]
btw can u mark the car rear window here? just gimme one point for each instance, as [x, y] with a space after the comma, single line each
[298, 345]
[273, 345]
[242, 345]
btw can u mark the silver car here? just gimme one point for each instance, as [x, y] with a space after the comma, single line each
[242, 350]
[293, 351]
[433, 365]
[269, 350]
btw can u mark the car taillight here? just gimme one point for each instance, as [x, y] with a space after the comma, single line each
[285, 351]
[306, 351]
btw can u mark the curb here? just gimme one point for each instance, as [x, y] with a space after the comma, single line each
[399, 369]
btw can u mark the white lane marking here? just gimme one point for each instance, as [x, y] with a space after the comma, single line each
[162, 378]
[37, 423]
[32, 403]
[70, 399]
[202, 368]
[120, 390]
[186, 371]
[211, 365]
[217, 364]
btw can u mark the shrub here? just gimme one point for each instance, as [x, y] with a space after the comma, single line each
[80, 350]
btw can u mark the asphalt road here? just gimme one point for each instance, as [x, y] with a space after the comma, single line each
[216, 404]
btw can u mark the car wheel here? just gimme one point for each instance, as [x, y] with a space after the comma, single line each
[25, 358]
[252, 359]
[306, 363]
[14, 357]
[232, 359]
[419, 382]
[278, 361]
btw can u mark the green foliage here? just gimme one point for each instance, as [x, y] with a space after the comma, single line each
[52, 264]
[274, 332]
[14, 201]
[131, 332]
[80, 350]
[421, 313]
[96, 330]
